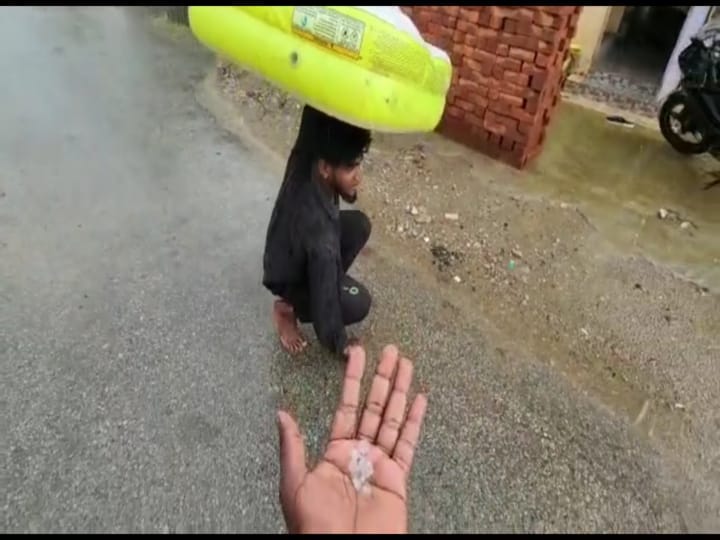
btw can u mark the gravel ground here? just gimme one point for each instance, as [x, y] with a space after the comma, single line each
[620, 327]
[617, 91]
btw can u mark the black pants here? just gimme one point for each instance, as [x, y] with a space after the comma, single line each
[355, 299]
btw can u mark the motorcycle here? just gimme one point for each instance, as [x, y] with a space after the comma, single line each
[690, 116]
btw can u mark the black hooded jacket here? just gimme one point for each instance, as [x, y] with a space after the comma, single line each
[302, 247]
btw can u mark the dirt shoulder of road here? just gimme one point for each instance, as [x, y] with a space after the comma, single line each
[623, 329]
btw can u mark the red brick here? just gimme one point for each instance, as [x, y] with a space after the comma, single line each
[508, 122]
[435, 16]
[500, 107]
[524, 28]
[522, 116]
[451, 10]
[550, 35]
[516, 136]
[471, 40]
[522, 54]
[434, 29]
[448, 28]
[512, 101]
[480, 133]
[464, 105]
[525, 14]
[488, 45]
[541, 59]
[544, 19]
[454, 111]
[487, 32]
[520, 79]
[506, 143]
[510, 64]
[470, 15]
[531, 43]
[464, 92]
[535, 31]
[495, 22]
[474, 119]
[568, 10]
[469, 63]
[512, 40]
[440, 42]
[538, 81]
[574, 18]
[483, 57]
[545, 47]
[472, 75]
[514, 89]
[494, 124]
[525, 128]
[466, 26]
[498, 72]
[502, 12]
[560, 22]
[531, 105]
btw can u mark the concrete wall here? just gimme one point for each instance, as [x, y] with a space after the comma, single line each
[590, 30]
[615, 18]
[507, 64]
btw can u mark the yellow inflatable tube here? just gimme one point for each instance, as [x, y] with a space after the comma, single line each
[367, 65]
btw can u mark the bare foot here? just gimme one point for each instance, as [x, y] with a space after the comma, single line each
[286, 324]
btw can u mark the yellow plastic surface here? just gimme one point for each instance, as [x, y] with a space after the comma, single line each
[341, 60]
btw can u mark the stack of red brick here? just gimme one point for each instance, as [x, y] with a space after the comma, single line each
[507, 72]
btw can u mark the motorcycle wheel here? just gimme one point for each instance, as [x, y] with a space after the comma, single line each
[675, 122]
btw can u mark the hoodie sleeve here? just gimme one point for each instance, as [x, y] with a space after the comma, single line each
[325, 306]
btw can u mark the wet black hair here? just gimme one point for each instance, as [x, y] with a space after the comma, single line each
[322, 136]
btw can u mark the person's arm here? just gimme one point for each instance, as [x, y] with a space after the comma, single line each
[325, 307]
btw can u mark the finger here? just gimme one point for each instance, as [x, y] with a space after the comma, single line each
[410, 433]
[346, 416]
[379, 393]
[292, 457]
[395, 410]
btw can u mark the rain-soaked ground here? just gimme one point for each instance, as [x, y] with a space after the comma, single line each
[572, 390]
[624, 178]
[569, 260]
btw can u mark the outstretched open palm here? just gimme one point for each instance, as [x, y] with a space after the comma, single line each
[325, 500]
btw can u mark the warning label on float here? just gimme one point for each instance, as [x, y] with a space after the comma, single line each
[329, 28]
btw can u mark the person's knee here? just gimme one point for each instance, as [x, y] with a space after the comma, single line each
[364, 226]
[356, 306]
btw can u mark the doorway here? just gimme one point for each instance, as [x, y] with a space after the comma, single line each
[628, 69]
